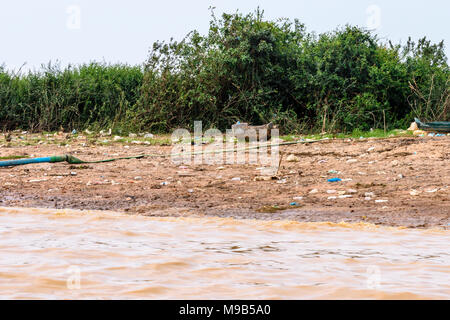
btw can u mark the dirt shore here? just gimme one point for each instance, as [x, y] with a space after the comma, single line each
[393, 182]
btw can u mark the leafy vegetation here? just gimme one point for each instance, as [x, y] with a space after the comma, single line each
[244, 69]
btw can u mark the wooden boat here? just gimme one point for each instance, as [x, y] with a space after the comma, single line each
[442, 126]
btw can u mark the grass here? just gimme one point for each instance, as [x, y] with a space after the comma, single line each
[95, 138]
[356, 134]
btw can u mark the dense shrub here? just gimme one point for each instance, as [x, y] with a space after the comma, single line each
[248, 69]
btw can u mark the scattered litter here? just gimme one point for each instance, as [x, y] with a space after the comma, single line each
[116, 138]
[73, 173]
[367, 198]
[414, 192]
[264, 178]
[74, 131]
[352, 161]
[335, 180]
[297, 198]
[282, 181]
[332, 198]
[395, 163]
[400, 176]
[190, 190]
[138, 178]
[345, 196]
[419, 133]
[221, 168]
[38, 180]
[292, 158]
[352, 191]
[370, 149]
[236, 179]
[369, 194]
[413, 127]
[333, 172]
[90, 183]
[322, 161]
[313, 191]
[148, 136]
[432, 190]
[165, 183]
[294, 204]
[347, 180]
[381, 201]
[331, 191]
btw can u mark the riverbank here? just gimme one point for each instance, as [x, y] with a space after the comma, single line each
[399, 181]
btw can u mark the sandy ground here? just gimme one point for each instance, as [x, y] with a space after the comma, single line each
[394, 182]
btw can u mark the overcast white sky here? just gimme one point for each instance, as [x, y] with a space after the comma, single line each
[77, 31]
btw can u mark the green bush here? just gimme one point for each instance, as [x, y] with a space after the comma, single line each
[244, 69]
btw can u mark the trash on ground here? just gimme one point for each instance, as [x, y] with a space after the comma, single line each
[37, 180]
[419, 133]
[264, 178]
[335, 180]
[413, 127]
[292, 158]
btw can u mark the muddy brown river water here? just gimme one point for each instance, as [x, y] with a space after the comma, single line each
[67, 254]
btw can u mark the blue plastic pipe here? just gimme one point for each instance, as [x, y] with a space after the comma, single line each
[19, 162]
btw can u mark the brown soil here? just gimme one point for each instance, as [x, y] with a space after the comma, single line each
[391, 171]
